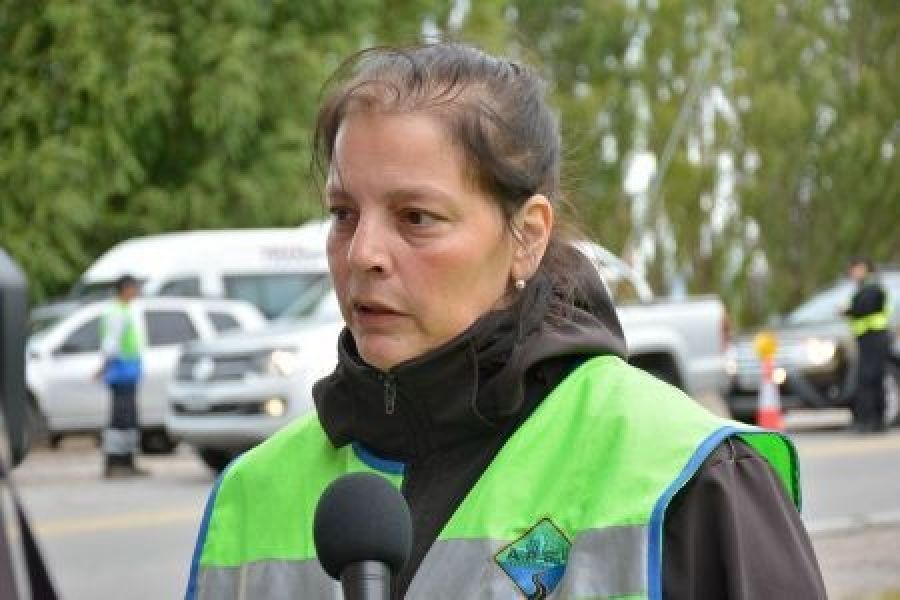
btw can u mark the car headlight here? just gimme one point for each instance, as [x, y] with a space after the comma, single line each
[820, 352]
[779, 375]
[281, 362]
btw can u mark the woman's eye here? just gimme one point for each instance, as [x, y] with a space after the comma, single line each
[418, 217]
[339, 213]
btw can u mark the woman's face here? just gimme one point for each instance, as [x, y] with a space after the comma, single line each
[417, 253]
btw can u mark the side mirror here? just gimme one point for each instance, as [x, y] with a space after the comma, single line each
[13, 316]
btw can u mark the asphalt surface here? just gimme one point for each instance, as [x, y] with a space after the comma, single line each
[134, 539]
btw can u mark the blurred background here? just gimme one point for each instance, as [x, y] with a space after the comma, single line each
[740, 148]
[742, 151]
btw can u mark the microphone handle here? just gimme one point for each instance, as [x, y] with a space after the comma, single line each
[366, 580]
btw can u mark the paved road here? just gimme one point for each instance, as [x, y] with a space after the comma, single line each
[122, 539]
[848, 479]
[134, 539]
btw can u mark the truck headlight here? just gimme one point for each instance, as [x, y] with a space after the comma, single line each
[820, 352]
[281, 362]
[274, 407]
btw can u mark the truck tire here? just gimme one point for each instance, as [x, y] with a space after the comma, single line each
[157, 441]
[215, 459]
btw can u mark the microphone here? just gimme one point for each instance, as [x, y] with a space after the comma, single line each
[363, 533]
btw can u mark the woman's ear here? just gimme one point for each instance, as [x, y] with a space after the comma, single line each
[532, 225]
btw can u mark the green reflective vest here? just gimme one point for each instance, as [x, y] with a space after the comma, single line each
[129, 340]
[573, 505]
[876, 321]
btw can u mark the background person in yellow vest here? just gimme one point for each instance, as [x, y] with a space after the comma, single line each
[121, 371]
[868, 313]
[481, 370]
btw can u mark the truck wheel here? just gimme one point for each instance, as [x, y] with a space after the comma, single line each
[892, 396]
[157, 441]
[215, 459]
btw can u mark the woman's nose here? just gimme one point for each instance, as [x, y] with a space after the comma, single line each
[368, 246]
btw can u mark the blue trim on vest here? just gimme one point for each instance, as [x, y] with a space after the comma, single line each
[655, 529]
[191, 592]
[385, 465]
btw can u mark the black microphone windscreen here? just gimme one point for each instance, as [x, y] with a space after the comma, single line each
[361, 517]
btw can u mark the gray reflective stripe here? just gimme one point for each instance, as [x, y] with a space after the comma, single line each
[602, 563]
[462, 569]
[267, 579]
[606, 562]
[120, 441]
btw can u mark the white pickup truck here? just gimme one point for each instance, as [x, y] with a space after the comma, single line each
[233, 392]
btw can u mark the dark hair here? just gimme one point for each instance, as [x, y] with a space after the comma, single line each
[493, 109]
[125, 281]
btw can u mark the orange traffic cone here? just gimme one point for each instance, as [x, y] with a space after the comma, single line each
[768, 409]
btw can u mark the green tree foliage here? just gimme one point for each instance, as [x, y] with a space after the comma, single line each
[773, 123]
[825, 121]
[127, 118]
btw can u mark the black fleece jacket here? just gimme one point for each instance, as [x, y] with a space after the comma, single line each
[731, 532]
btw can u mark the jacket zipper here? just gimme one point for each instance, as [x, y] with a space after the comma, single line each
[390, 394]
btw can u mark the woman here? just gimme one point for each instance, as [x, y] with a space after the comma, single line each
[481, 369]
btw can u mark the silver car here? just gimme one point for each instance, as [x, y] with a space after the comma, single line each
[62, 359]
[230, 394]
[816, 362]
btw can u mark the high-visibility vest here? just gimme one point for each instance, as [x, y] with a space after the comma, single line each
[130, 340]
[574, 504]
[874, 322]
[125, 367]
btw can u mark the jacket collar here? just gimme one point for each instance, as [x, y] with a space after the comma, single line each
[471, 387]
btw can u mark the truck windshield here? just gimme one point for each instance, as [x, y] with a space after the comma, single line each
[824, 306]
[307, 302]
[272, 293]
[828, 305]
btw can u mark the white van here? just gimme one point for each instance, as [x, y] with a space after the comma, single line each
[266, 267]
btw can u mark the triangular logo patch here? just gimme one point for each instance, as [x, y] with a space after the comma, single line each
[537, 560]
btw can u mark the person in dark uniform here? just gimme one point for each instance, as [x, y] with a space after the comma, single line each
[868, 314]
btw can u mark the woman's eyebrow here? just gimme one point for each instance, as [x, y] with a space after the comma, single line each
[418, 192]
[334, 192]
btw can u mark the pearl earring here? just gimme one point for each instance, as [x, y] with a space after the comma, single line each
[520, 284]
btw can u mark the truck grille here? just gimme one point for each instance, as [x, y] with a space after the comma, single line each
[231, 408]
[205, 368]
[749, 367]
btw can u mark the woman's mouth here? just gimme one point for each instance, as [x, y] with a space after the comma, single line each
[374, 313]
[371, 308]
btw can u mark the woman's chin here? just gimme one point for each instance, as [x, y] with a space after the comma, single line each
[381, 353]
